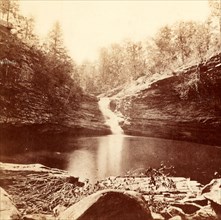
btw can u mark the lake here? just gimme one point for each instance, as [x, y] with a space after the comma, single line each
[99, 157]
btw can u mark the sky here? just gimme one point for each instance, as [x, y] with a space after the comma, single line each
[90, 25]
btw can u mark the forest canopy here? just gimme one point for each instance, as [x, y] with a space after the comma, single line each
[172, 46]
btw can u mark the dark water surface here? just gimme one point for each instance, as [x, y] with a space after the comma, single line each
[99, 157]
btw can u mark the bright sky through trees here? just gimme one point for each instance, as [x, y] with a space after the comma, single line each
[90, 25]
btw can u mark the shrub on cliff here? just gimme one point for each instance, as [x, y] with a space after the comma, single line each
[189, 84]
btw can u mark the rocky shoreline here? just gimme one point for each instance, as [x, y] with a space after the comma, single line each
[38, 192]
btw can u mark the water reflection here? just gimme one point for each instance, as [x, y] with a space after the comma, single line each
[81, 164]
[101, 157]
[109, 156]
[98, 157]
[105, 161]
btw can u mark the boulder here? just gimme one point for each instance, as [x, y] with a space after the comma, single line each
[212, 192]
[213, 185]
[8, 210]
[205, 213]
[109, 205]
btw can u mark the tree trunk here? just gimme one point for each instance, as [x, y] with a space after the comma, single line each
[7, 19]
[8, 12]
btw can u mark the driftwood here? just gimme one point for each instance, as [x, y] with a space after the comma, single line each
[40, 190]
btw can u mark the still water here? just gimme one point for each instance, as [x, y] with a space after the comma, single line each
[99, 157]
[95, 158]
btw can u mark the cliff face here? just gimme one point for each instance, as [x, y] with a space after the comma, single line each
[32, 98]
[185, 105]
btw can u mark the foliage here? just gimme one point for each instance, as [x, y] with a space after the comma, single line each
[47, 68]
[60, 68]
[117, 65]
[24, 29]
[172, 46]
[9, 10]
[188, 85]
[215, 7]
[55, 43]
[120, 63]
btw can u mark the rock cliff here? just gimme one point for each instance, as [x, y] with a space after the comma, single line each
[183, 105]
[32, 98]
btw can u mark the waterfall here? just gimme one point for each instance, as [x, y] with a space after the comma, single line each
[112, 120]
[108, 159]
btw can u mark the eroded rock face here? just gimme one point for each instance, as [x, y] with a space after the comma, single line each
[109, 205]
[32, 112]
[182, 106]
[8, 210]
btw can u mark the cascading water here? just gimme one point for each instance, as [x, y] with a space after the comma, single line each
[112, 120]
[110, 146]
[108, 154]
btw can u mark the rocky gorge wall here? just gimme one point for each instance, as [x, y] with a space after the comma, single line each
[36, 100]
[185, 105]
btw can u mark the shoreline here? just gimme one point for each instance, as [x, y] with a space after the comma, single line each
[39, 190]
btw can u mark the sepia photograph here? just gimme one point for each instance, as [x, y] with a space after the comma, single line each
[110, 109]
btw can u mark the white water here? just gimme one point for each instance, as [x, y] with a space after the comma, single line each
[110, 117]
[106, 160]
